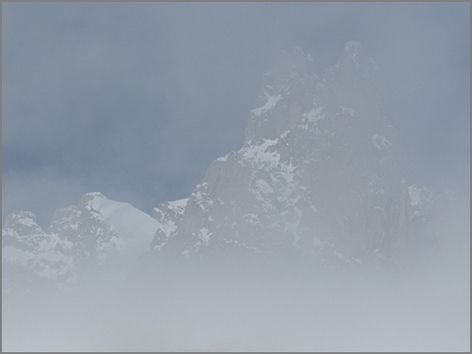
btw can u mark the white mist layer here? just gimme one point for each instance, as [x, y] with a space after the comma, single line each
[254, 305]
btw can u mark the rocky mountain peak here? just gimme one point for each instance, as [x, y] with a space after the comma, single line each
[320, 172]
[354, 63]
[354, 51]
[23, 221]
[88, 199]
[287, 90]
[291, 64]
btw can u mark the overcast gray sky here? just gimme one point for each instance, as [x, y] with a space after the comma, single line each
[136, 99]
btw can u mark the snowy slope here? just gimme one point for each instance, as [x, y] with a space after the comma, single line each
[136, 228]
[97, 232]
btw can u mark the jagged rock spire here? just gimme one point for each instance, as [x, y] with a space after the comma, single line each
[287, 90]
[320, 171]
[355, 63]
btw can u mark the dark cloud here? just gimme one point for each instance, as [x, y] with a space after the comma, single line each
[136, 99]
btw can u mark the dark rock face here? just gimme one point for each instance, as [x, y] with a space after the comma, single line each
[320, 172]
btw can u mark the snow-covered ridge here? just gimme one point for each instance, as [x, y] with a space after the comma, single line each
[26, 244]
[135, 227]
[167, 215]
[258, 154]
[95, 231]
[271, 102]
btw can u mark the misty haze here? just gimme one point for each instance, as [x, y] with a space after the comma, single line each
[163, 208]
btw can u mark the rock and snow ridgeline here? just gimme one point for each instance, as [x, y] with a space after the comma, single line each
[320, 173]
[95, 232]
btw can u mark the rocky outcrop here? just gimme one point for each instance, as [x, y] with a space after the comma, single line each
[168, 216]
[320, 172]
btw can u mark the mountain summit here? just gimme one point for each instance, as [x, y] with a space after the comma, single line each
[354, 60]
[96, 233]
[320, 172]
